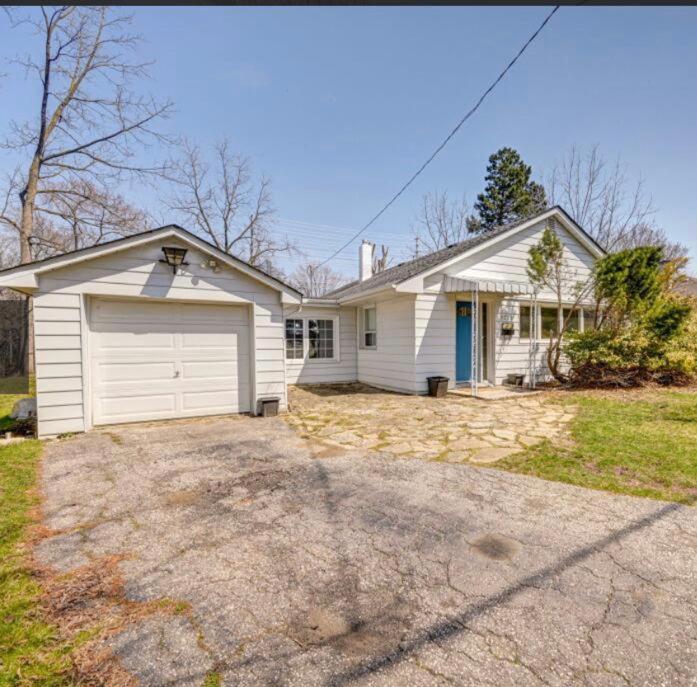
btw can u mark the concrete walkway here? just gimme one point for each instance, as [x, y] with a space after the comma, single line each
[313, 567]
[455, 429]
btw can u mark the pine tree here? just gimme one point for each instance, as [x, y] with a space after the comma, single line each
[509, 194]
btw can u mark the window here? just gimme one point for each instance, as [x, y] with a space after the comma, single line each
[588, 320]
[525, 321]
[294, 339]
[549, 322]
[320, 337]
[370, 333]
[574, 324]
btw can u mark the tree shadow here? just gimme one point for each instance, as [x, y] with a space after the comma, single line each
[458, 624]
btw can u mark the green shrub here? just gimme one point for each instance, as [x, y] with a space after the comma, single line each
[659, 347]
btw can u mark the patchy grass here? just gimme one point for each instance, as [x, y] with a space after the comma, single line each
[641, 444]
[212, 680]
[30, 650]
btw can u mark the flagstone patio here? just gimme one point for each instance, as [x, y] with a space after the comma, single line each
[454, 429]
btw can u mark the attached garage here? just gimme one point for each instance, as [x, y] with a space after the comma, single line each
[124, 335]
[150, 361]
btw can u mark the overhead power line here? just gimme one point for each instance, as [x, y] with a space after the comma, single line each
[447, 138]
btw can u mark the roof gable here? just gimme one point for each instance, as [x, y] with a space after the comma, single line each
[428, 264]
[23, 277]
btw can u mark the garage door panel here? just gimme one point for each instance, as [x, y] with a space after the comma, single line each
[210, 400]
[166, 360]
[217, 339]
[140, 340]
[211, 369]
[117, 408]
[143, 371]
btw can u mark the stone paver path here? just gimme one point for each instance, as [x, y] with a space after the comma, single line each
[453, 429]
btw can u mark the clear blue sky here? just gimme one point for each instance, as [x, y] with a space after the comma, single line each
[339, 105]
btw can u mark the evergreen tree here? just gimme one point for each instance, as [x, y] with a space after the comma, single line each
[509, 194]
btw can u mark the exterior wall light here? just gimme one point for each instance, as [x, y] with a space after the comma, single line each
[174, 257]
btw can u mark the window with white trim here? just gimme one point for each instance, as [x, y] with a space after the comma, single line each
[369, 336]
[294, 339]
[320, 339]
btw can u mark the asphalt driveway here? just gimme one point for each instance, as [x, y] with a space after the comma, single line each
[303, 565]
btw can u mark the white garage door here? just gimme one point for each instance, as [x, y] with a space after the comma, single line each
[153, 361]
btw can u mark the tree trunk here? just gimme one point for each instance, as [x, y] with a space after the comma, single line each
[26, 230]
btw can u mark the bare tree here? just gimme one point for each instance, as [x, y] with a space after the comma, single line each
[222, 202]
[315, 280]
[601, 199]
[89, 125]
[381, 262]
[441, 222]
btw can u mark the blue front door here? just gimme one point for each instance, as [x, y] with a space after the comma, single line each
[463, 341]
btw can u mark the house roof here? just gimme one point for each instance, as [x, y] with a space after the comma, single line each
[56, 261]
[407, 270]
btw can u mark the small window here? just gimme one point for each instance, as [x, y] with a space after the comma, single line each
[525, 321]
[320, 337]
[588, 320]
[574, 324]
[370, 333]
[294, 339]
[549, 322]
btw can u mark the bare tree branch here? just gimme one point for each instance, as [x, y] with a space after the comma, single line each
[314, 280]
[221, 201]
[441, 222]
[601, 199]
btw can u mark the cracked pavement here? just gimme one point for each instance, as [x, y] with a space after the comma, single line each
[307, 566]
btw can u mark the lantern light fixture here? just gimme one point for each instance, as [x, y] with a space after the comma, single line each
[174, 257]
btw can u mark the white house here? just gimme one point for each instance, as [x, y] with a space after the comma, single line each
[122, 335]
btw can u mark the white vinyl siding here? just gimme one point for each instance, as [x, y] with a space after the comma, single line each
[137, 273]
[342, 368]
[435, 338]
[59, 380]
[507, 259]
[392, 364]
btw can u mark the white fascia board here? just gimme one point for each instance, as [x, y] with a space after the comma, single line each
[321, 302]
[365, 294]
[20, 281]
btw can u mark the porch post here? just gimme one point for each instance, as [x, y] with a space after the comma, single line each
[474, 377]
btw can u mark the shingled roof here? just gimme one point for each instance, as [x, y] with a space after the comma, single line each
[409, 269]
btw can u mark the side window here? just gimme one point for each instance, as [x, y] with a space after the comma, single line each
[320, 337]
[549, 322]
[294, 339]
[370, 328]
[525, 320]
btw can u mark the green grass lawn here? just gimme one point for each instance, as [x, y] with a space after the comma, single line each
[30, 652]
[639, 443]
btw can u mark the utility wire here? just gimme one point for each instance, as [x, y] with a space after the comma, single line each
[447, 139]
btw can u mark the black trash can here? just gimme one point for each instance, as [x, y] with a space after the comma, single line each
[437, 386]
[269, 407]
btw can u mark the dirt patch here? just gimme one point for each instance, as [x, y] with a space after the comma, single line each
[91, 600]
[496, 547]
